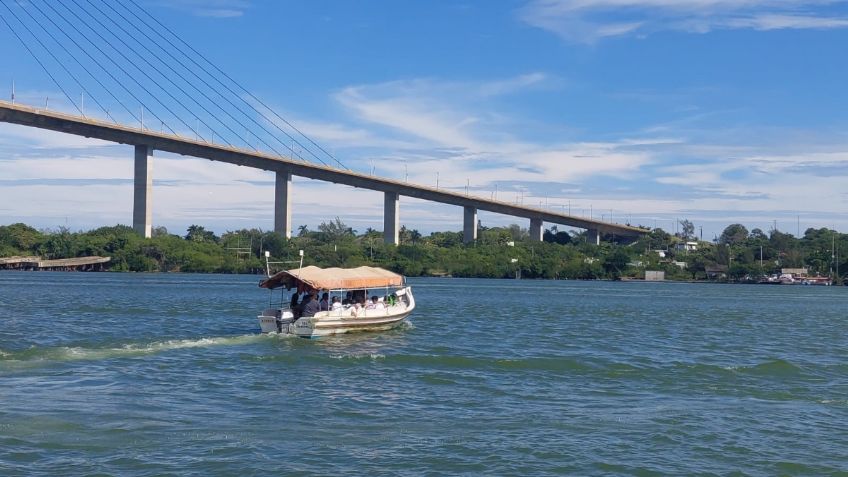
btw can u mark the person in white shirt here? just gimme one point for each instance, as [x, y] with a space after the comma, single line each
[337, 304]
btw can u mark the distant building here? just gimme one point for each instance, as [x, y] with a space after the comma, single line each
[686, 246]
[716, 271]
[654, 275]
[794, 272]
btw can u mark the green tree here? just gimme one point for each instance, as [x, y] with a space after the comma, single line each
[734, 234]
[196, 233]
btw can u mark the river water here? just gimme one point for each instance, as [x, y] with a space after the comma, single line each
[149, 374]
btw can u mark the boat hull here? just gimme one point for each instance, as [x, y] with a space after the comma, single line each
[326, 326]
[327, 323]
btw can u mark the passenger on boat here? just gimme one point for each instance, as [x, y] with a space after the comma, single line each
[324, 304]
[295, 309]
[371, 304]
[380, 305]
[348, 299]
[355, 310]
[337, 305]
[310, 306]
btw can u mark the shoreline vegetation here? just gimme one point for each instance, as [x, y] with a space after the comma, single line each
[738, 255]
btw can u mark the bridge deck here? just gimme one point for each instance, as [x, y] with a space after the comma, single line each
[80, 126]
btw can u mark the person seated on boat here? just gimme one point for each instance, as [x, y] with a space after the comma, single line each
[380, 305]
[355, 310]
[371, 304]
[391, 300]
[337, 304]
[310, 306]
[324, 304]
[293, 306]
[348, 299]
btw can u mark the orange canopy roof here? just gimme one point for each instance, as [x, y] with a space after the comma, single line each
[334, 278]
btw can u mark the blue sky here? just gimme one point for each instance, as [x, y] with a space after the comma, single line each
[646, 111]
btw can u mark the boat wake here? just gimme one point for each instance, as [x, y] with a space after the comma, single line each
[66, 353]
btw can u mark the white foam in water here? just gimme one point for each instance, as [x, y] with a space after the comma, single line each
[372, 356]
[77, 353]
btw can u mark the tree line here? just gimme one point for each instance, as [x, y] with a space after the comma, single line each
[500, 252]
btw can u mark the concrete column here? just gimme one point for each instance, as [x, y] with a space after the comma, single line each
[593, 236]
[143, 192]
[469, 224]
[282, 204]
[391, 218]
[536, 230]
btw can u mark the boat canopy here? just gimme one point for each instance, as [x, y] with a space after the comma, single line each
[333, 278]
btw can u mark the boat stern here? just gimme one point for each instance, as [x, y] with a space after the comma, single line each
[275, 320]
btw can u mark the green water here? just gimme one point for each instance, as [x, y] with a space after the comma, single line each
[128, 374]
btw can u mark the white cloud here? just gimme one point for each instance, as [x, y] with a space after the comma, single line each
[211, 8]
[453, 129]
[466, 142]
[588, 21]
[511, 85]
[45, 139]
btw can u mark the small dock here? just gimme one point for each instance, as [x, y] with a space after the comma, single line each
[78, 264]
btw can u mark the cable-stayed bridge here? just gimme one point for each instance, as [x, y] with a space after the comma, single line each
[146, 87]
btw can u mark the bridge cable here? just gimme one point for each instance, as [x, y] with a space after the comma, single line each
[180, 119]
[36, 57]
[226, 126]
[121, 84]
[294, 140]
[126, 20]
[201, 79]
[135, 3]
[61, 45]
[93, 60]
[146, 90]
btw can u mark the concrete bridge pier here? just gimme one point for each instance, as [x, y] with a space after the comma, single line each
[391, 218]
[536, 230]
[593, 236]
[143, 192]
[469, 224]
[282, 204]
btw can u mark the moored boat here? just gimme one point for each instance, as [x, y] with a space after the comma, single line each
[347, 306]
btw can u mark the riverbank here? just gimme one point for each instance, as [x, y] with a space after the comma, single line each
[504, 252]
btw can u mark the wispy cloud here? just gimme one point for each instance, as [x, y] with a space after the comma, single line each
[210, 8]
[468, 138]
[587, 21]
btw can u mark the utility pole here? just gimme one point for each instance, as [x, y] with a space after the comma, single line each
[833, 255]
[761, 259]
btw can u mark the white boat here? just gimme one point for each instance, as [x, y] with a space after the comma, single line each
[390, 301]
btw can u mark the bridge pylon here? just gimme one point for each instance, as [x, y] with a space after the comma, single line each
[143, 192]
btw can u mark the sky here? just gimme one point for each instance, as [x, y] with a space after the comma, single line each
[640, 111]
